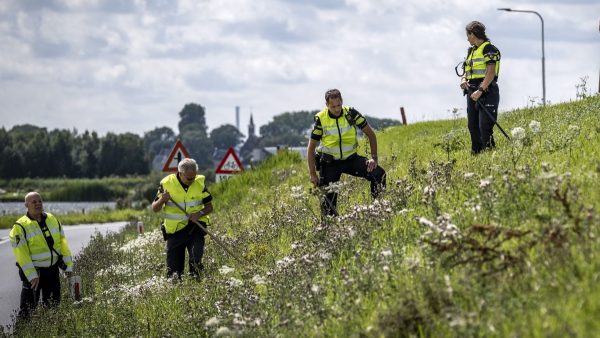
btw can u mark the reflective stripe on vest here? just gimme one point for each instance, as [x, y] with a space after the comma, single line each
[31, 249]
[190, 200]
[339, 136]
[475, 66]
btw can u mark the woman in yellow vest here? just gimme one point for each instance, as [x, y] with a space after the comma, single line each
[480, 83]
[335, 133]
[40, 248]
[187, 189]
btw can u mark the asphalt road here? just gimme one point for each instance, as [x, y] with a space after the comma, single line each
[77, 236]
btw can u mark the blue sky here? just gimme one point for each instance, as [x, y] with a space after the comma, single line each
[130, 66]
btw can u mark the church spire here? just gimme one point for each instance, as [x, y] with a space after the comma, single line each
[251, 127]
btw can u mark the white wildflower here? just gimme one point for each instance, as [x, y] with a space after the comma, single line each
[426, 222]
[213, 321]
[325, 255]
[573, 128]
[285, 261]
[314, 288]
[518, 133]
[334, 187]
[225, 270]
[535, 127]
[238, 319]
[297, 191]
[386, 268]
[258, 280]
[144, 240]
[235, 282]
[469, 175]
[485, 183]
[386, 253]
[223, 331]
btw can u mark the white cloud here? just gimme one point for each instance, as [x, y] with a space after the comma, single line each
[131, 66]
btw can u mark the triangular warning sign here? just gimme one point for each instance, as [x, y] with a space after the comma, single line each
[177, 154]
[230, 164]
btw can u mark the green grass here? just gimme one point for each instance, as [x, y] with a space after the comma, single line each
[81, 189]
[94, 216]
[502, 244]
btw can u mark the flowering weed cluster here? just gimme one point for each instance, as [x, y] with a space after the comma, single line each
[505, 243]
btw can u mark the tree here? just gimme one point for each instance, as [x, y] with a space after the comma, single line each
[87, 154]
[61, 145]
[199, 146]
[122, 155]
[290, 128]
[157, 140]
[226, 136]
[193, 134]
[192, 118]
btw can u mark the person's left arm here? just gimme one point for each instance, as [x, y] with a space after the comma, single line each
[360, 121]
[491, 55]
[208, 207]
[372, 162]
[65, 251]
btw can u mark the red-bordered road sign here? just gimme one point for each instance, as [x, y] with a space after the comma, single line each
[230, 164]
[177, 154]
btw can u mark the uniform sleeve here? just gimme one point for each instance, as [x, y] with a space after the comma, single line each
[20, 249]
[65, 251]
[206, 196]
[317, 132]
[491, 54]
[357, 118]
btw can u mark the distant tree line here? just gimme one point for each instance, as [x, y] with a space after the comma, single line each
[31, 151]
[293, 128]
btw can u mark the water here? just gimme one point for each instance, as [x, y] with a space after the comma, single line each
[56, 208]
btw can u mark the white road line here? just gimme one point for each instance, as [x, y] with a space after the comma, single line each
[4, 240]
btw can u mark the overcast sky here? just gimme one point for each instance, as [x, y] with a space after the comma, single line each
[130, 66]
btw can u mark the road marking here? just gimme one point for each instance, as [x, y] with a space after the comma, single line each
[4, 240]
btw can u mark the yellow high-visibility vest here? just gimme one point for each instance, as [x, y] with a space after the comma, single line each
[475, 64]
[339, 136]
[31, 249]
[190, 200]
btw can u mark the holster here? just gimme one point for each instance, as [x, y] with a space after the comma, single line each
[326, 159]
[318, 161]
[164, 231]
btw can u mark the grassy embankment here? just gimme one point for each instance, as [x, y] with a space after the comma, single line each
[127, 191]
[502, 244]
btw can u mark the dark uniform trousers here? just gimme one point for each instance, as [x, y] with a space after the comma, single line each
[190, 238]
[355, 165]
[481, 126]
[49, 287]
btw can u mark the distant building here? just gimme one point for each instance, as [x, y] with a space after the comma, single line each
[251, 153]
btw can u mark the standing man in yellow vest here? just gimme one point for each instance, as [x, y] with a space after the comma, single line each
[335, 131]
[480, 83]
[40, 248]
[187, 189]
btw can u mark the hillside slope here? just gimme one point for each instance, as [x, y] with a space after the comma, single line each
[502, 244]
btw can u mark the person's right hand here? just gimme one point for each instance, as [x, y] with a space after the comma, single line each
[314, 179]
[165, 197]
[35, 283]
